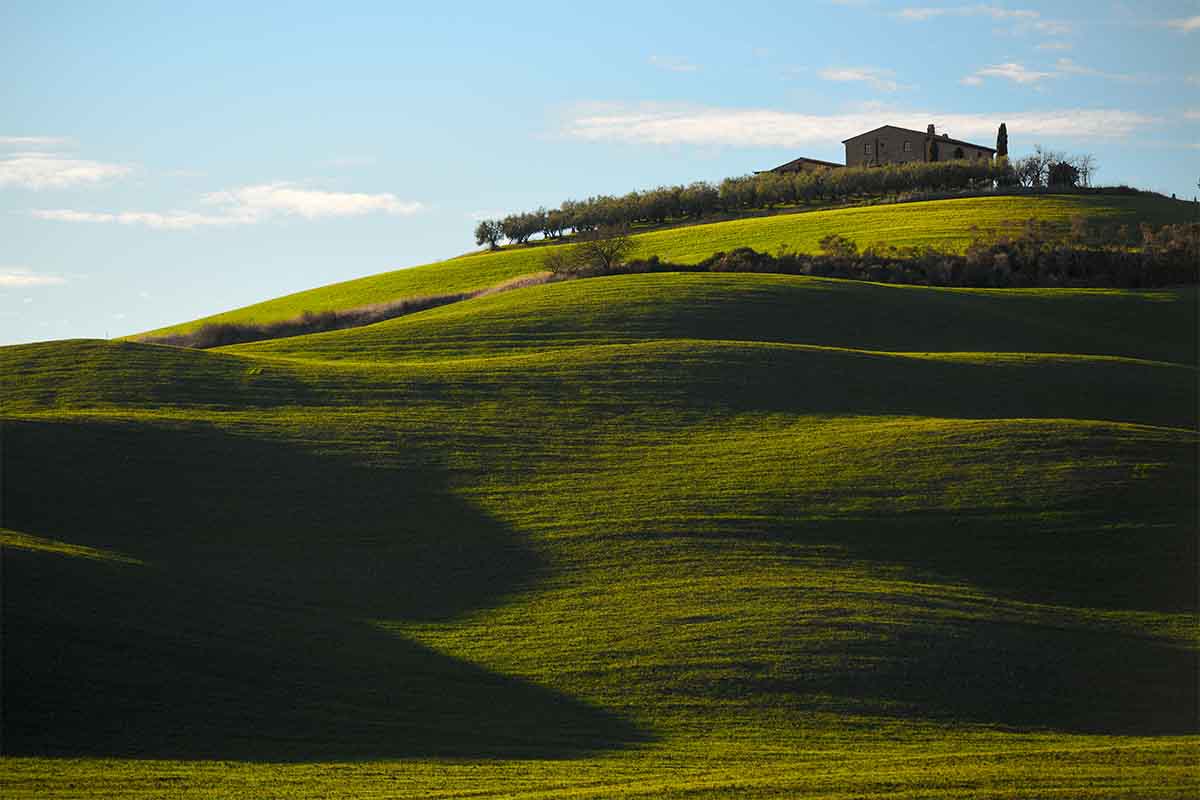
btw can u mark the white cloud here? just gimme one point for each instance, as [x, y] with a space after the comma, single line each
[1063, 67]
[1023, 19]
[749, 127]
[287, 198]
[981, 10]
[673, 64]
[246, 205]
[921, 14]
[1185, 25]
[32, 141]
[1051, 27]
[876, 77]
[170, 220]
[32, 170]
[1192, 114]
[1054, 46]
[1012, 71]
[22, 277]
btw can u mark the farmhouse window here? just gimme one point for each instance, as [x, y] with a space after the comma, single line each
[907, 146]
[867, 148]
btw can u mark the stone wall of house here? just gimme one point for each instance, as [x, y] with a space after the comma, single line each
[890, 145]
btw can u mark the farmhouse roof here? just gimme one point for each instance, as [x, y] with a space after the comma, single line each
[804, 160]
[941, 138]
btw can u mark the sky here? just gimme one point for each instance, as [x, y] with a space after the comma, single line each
[164, 161]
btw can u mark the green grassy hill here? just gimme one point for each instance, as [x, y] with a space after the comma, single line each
[942, 223]
[690, 535]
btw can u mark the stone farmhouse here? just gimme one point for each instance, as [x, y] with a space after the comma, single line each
[889, 144]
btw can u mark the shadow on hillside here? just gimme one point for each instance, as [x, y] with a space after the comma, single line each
[1021, 675]
[841, 383]
[877, 654]
[1089, 560]
[1117, 554]
[246, 635]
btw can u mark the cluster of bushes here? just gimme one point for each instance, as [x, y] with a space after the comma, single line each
[1038, 256]
[761, 191]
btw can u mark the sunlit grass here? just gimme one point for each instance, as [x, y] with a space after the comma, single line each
[649, 536]
[940, 223]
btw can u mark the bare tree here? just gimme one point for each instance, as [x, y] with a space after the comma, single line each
[598, 251]
[1086, 164]
[605, 248]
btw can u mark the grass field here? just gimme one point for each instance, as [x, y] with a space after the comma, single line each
[690, 535]
[941, 223]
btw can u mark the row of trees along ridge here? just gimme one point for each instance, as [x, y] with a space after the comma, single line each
[767, 190]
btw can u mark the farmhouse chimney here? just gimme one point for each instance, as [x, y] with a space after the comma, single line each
[929, 131]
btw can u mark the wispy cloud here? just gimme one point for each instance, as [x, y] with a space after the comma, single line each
[286, 198]
[1022, 19]
[33, 141]
[747, 127]
[1063, 67]
[33, 170]
[673, 64]
[1053, 27]
[246, 205]
[1017, 73]
[23, 277]
[1054, 46]
[875, 77]
[1066, 66]
[167, 220]
[1192, 114]
[920, 14]
[1185, 25]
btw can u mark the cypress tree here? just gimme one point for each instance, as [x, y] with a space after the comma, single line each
[1002, 142]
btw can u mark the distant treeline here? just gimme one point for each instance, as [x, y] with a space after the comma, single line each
[220, 334]
[761, 191]
[1040, 255]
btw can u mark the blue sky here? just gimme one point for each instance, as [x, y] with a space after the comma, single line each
[160, 163]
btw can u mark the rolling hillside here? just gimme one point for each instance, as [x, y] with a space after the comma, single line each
[686, 535]
[944, 223]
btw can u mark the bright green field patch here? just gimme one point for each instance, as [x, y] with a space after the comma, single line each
[25, 541]
[776, 308]
[941, 223]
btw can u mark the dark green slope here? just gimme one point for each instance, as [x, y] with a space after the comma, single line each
[245, 631]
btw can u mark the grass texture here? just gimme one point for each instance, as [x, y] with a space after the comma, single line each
[939, 223]
[646, 536]
[681, 536]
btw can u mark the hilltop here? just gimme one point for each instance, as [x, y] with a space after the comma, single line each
[656, 535]
[950, 224]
